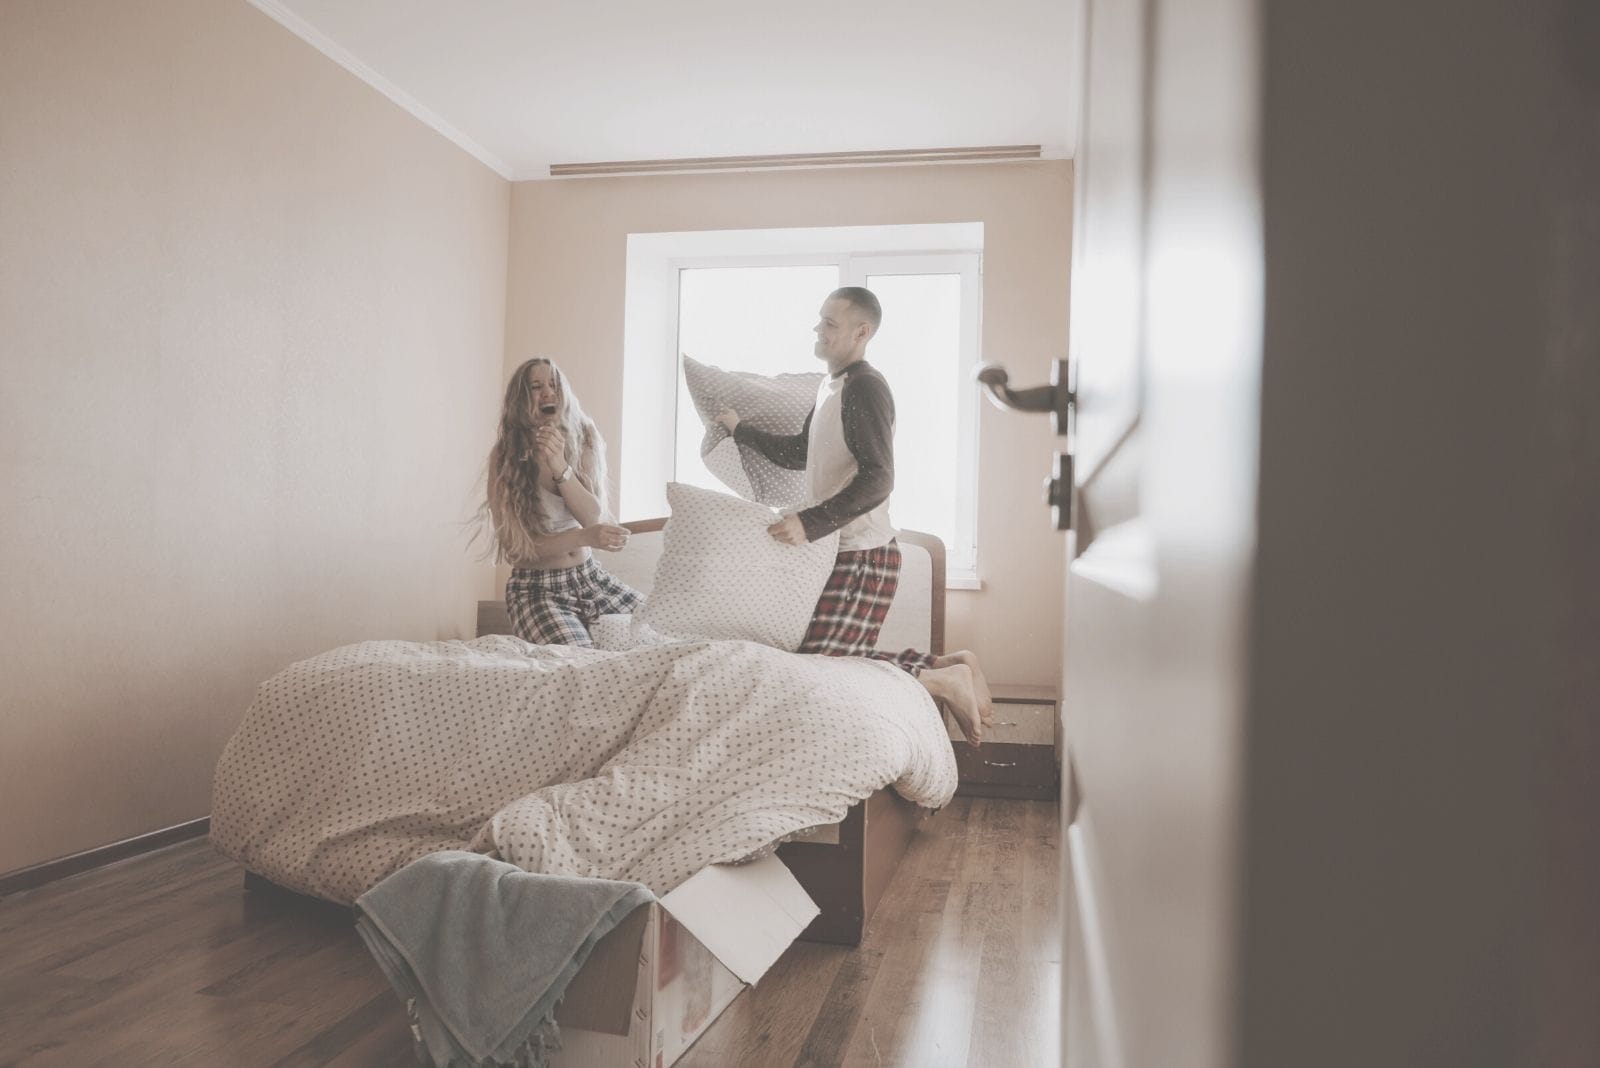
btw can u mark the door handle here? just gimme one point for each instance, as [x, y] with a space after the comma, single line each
[1058, 398]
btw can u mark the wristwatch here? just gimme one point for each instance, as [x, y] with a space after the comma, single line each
[564, 475]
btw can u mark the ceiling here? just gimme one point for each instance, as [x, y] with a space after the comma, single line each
[524, 84]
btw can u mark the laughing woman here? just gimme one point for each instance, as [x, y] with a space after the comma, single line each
[547, 508]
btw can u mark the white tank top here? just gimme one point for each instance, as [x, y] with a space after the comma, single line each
[556, 512]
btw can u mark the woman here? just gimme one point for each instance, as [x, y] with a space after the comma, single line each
[546, 509]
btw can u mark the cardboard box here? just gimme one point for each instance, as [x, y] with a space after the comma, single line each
[658, 980]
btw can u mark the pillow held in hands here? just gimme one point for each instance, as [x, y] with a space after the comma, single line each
[776, 404]
[722, 576]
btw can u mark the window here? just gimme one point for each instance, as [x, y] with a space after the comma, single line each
[748, 300]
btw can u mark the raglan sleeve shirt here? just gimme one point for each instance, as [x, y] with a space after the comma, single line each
[867, 412]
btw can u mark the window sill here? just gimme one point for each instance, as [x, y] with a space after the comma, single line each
[967, 581]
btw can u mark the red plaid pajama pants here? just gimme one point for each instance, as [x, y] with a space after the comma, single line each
[853, 605]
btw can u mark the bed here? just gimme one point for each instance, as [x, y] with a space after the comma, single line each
[844, 865]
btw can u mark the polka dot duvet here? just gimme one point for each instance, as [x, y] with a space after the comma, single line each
[644, 765]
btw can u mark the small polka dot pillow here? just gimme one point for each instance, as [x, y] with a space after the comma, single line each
[776, 404]
[722, 576]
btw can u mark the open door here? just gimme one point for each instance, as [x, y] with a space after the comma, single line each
[1328, 718]
[1163, 376]
[1165, 351]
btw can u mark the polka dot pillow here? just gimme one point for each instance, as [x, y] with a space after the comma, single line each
[723, 576]
[777, 404]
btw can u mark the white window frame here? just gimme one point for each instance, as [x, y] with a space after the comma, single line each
[962, 554]
[652, 363]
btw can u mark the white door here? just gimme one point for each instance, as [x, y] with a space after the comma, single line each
[1409, 885]
[1165, 349]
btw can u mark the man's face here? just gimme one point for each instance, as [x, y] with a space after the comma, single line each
[838, 330]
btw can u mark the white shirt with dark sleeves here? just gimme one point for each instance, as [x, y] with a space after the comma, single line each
[846, 448]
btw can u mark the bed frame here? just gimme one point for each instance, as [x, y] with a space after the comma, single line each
[848, 875]
[847, 867]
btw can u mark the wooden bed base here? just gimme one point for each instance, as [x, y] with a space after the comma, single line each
[847, 879]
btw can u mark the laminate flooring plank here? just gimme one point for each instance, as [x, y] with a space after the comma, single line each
[129, 994]
[1016, 1018]
[57, 939]
[147, 1019]
[182, 1028]
[165, 959]
[994, 844]
[379, 1017]
[836, 1020]
[919, 1010]
[385, 1042]
[1041, 879]
[178, 930]
[768, 1024]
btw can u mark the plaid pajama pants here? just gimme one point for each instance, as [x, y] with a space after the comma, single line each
[554, 607]
[853, 605]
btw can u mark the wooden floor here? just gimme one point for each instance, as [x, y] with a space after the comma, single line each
[164, 960]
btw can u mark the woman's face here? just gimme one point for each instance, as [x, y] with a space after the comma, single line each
[546, 393]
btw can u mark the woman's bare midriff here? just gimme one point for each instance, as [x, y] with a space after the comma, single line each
[571, 558]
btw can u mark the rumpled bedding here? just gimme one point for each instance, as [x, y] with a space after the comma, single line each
[643, 766]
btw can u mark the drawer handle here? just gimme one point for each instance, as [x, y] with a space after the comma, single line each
[1000, 763]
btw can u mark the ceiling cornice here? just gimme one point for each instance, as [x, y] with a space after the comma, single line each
[316, 39]
[880, 158]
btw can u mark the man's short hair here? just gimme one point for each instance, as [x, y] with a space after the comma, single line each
[863, 300]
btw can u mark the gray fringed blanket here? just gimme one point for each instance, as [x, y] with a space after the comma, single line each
[481, 951]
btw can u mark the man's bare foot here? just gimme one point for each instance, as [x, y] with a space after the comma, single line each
[980, 685]
[952, 686]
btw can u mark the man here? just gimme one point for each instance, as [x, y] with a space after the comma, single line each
[846, 449]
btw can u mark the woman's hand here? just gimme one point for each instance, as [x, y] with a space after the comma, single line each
[607, 536]
[552, 446]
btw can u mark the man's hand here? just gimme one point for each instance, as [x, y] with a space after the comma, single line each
[789, 530]
[607, 536]
[729, 419]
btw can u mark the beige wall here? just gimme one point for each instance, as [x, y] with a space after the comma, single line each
[252, 324]
[568, 254]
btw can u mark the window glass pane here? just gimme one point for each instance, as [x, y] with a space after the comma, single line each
[756, 319]
[918, 349]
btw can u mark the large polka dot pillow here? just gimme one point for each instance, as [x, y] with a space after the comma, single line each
[723, 576]
[776, 404]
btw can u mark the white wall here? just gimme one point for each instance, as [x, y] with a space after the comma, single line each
[252, 325]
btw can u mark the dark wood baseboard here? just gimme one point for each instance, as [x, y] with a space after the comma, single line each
[36, 875]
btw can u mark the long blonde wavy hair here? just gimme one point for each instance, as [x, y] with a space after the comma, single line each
[513, 514]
